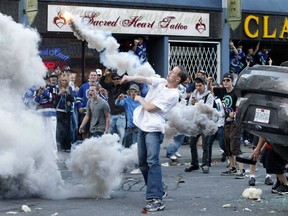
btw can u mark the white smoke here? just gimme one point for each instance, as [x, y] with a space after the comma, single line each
[110, 57]
[191, 121]
[188, 120]
[97, 165]
[27, 163]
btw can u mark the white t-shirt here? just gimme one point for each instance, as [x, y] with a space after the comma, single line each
[162, 97]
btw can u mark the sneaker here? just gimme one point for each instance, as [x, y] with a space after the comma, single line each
[177, 154]
[282, 189]
[165, 194]
[252, 181]
[276, 185]
[191, 168]
[205, 169]
[240, 175]
[154, 205]
[173, 157]
[231, 171]
[136, 171]
[268, 181]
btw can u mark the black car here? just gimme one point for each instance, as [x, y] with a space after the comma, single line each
[263, 104]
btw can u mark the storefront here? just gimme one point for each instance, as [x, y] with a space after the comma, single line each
[186, 33]
[270, 30]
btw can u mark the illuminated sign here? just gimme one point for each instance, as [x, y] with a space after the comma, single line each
[131, 21]
[51, 64]
[54, 52]
[252, 20]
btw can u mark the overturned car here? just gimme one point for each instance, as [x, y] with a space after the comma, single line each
[263, 104]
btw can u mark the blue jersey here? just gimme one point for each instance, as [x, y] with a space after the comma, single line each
[83, 96]
[141, 52]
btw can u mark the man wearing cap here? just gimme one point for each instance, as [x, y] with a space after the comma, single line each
[45, 100]
[129, 104]
[232, 132]
[200, 94]
[118, 118]
[99, 74]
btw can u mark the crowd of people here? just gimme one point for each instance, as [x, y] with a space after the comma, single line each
[135, 108]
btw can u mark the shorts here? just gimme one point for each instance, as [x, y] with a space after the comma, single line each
[272, 161]
[232, 133]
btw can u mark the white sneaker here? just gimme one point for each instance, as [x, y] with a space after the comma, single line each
[135, 171]
[177, 154]
[173, 157]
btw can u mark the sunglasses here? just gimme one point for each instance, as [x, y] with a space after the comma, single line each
[115, 79]
[226, 80]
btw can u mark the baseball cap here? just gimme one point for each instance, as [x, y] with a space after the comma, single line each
[134, 86]
[66, 68]
[53, 74]
[228, 76]
[99, 72]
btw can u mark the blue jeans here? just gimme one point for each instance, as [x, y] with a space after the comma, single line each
[149, 164]
[73, 126]
[117, 125]
[175, 145]
[130, 137]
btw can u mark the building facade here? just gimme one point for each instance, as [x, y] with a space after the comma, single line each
[190, 33]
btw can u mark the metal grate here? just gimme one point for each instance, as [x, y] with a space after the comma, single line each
[196, 56]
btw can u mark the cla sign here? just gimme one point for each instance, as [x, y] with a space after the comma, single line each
[266, 34]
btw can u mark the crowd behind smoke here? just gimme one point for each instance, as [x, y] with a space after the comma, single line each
[27, 164]
[26, 167]
[181, 120]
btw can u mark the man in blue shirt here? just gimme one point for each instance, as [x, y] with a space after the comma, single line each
[129, 104]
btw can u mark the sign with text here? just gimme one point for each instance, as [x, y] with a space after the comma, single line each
[132, 21]
[234, 13]
[31, 10]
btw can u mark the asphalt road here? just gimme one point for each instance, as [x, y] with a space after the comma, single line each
[192, 193]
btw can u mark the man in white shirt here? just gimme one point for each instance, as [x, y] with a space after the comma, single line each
[150, 117]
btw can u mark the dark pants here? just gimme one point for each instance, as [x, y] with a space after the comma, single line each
[63, 130]
[194, 152]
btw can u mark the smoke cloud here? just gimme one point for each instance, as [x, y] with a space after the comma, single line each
[27, 163]
[191, 121]
[110, 57]
[97, 163]
[28, 166]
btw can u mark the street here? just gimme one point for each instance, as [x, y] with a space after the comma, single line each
[192, 193]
